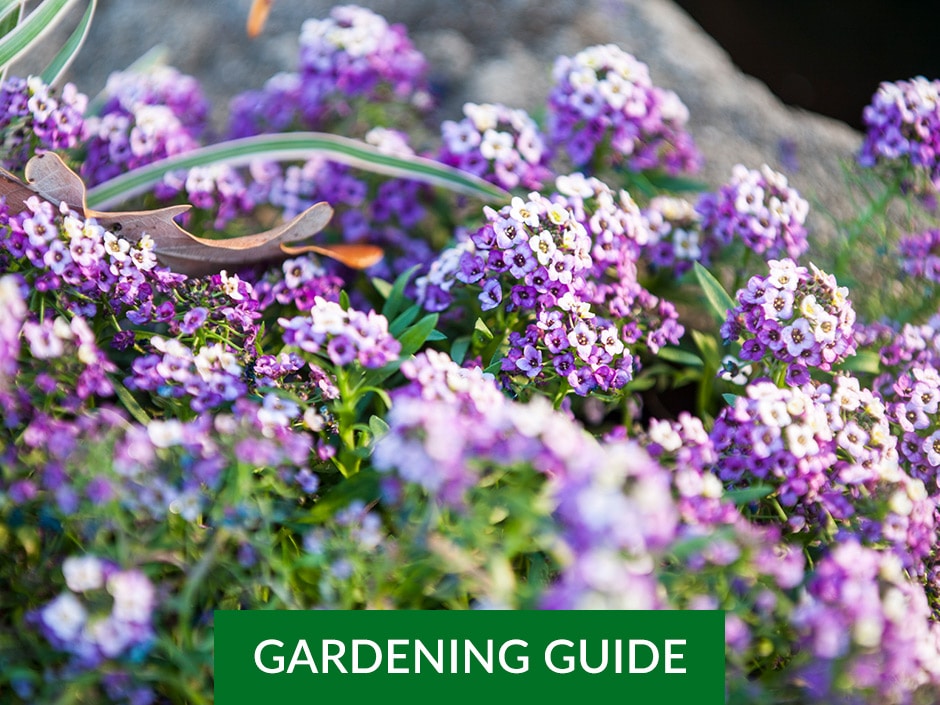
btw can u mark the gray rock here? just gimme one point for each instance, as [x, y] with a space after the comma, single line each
[501, 50]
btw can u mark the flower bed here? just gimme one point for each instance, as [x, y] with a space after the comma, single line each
[575, 380]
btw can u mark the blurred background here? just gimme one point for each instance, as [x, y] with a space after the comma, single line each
[749, 71]
[825, 55]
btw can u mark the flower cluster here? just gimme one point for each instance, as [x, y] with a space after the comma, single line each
[80, 263]
[210, 376]
[535, 256]
[866, 626]
[160, 85]
[450, 427]
[342, 336]
[685, 445]
[676, 236]
[794, 316]
[832, 461]
[758, 208]
[499, 144]
[34, 116]
[298, 282]
[143, 120]
[603, 106]
[217, 188]
[353, 54]
[619, 234]
[920, 255]
[73, 623]
[53, 359]
[902, 128]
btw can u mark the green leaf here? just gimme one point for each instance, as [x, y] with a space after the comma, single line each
[378, 427]
[484, 332]
[10, 13]
[405, 319]
[32, 29]
[435, 335]
[396, 301]
[344, 300]
[682, 357]
[294, 146]
[746, 495]
[70, 49]
[708, 346]
[363, 485]
[494, 367]
[458, 351]
[665, 182]
[719, 299]
[413, 338]
[730, 399]
[383, 287]
[864, 361]
[130, 403]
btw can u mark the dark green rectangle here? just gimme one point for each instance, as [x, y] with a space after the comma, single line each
[523, 637]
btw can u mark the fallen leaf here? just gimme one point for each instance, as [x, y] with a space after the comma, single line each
[51, 179]
[257, 16]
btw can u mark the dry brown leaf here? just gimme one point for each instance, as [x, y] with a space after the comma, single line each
[51, 179]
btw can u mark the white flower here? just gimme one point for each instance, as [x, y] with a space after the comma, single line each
[83, 573]
[276, 411]
[800, 441]
[484, 116]
[133, 596]
[65, 616]
[496, 146]
[663, 434]
[543, 245]
[165, 434]
[230, 285]
[524, 211]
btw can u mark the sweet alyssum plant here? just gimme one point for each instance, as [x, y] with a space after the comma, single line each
[543, 396]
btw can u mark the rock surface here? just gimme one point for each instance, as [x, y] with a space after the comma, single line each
[501, 50]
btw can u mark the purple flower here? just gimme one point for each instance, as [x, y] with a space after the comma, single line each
[497, 143]
[603, 92]
[903, 129]
[760, 209]
[793, 315]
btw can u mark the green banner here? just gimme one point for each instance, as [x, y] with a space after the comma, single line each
[295, 657]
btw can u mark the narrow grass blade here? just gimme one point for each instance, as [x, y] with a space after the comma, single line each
[32, 29]
[295, 146]
[10, 13]
[70, 49]
[718, 299]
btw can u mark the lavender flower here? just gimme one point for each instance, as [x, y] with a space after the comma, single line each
[793, 316]
[676, 236]
[450, 427]
[496, 143]
[760, 209]
[604, 96]
[832, 461]
[342, 336]
[354, 54]
[89, 634]
[34, 116]
[565, 269]
[867, 629]
[902, 129]
[920, 255]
